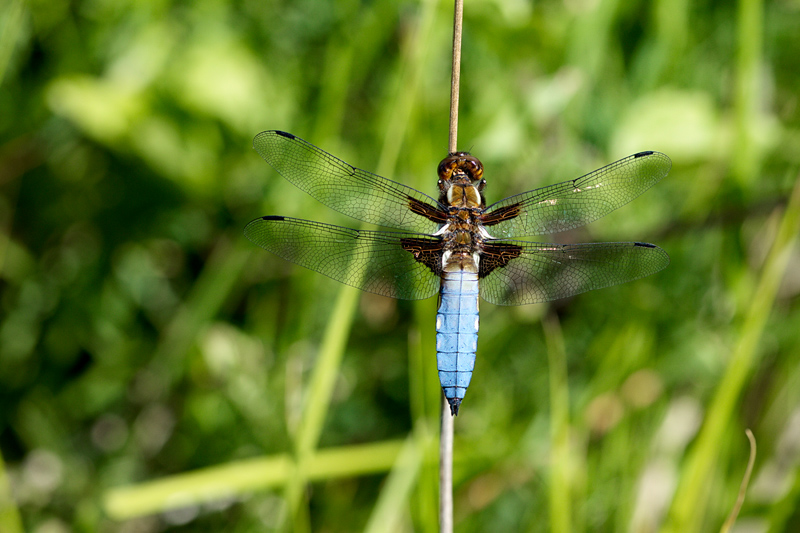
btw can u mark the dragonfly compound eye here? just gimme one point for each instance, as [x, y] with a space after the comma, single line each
[473, 167]
[447, 166]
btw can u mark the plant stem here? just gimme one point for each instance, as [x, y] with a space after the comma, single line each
[446, 442]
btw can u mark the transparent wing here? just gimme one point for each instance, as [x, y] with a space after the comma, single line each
[571, 204]
[345, 188]
[541, 272]
[373, 261]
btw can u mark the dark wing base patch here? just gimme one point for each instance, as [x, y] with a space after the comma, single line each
[497, 256]
[501, 214]
[426, 210]
[425, 251]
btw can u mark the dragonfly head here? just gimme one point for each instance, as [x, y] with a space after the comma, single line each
[460, 167]
[459, 173]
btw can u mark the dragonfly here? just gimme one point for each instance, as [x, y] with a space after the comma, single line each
[454, 245]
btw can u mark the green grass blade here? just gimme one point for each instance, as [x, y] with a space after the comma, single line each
[559, 490]
[242, 477]
[750, 22]
[397, 491]
[688, 508]
[215, 283]
[320, 389]
[10, 520]
[11, 22]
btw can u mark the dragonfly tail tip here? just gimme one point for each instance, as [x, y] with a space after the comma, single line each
[455, 403]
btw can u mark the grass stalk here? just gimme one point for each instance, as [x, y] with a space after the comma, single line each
[447, 426]
[446, 469]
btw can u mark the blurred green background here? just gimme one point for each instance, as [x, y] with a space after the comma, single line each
[160, 373]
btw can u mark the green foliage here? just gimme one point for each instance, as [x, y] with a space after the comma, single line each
[160, 373]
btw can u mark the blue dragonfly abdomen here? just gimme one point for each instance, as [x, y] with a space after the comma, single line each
[457, 334]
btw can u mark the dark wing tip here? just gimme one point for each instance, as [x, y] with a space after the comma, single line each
[655, 155]
[250, 225]
[664, 256]
[271, 132]
[662, 162]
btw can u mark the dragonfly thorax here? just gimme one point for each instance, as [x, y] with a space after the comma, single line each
[462, 237]
[463, 196]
